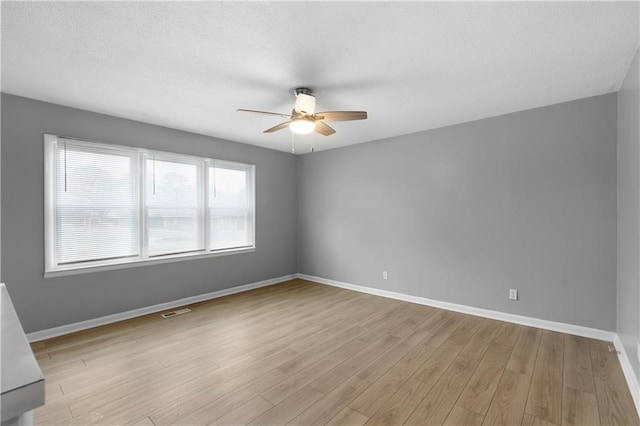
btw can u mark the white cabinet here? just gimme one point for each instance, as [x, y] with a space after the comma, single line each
[21, 379]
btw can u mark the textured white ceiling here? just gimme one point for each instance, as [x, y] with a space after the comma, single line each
[412, 66]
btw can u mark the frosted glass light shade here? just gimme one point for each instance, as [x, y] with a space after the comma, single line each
[302, 126]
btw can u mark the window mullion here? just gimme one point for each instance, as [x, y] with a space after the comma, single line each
[207, 220]
[142, 208]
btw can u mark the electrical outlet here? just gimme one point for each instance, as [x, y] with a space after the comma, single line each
[513, 294]
[385, 275]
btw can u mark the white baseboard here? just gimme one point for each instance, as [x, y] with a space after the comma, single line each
[95, 322]
[576, 330]
[632, 379]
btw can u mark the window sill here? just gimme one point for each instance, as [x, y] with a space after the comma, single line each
[147, 262]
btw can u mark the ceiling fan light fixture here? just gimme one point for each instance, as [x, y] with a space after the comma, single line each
[304, 120]
[302, 126]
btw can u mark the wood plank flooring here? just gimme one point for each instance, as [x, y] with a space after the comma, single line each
[305, 354]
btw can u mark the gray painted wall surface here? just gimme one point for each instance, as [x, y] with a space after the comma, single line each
[463, 213]
[45, 303]
[628, 287]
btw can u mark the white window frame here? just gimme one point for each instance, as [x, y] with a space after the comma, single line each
[51, 269]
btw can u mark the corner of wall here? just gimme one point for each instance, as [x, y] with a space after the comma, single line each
[628, 227]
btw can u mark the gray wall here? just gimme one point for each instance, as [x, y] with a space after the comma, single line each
[628, 287]
[463, 213]
[45, 303]
[459, 214]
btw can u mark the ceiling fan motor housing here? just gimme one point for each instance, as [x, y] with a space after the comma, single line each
[305, 102]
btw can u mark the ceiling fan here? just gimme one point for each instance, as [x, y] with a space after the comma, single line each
[304, 119]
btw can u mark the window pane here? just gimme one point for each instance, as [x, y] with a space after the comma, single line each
[96, 205]
[230, 212]
[173, 207]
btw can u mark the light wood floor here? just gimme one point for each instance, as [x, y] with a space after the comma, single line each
[304, 353]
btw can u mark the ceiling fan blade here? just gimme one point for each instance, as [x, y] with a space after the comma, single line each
[278, 127]
[323, 129]
[264, 112]
[341, 115]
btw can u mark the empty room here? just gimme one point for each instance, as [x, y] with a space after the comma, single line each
[323, 212]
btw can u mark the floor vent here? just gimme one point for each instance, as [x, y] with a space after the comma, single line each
[174, 313]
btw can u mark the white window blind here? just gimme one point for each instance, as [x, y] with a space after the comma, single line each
[96, 204]
[230, 206]
[174, 206]
[110, 205]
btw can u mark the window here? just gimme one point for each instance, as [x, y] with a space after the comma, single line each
[95, 207]
[173, 206]
[112, 205]
[230, 212]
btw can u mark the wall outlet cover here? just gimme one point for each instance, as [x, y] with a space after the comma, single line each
[513, 294]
